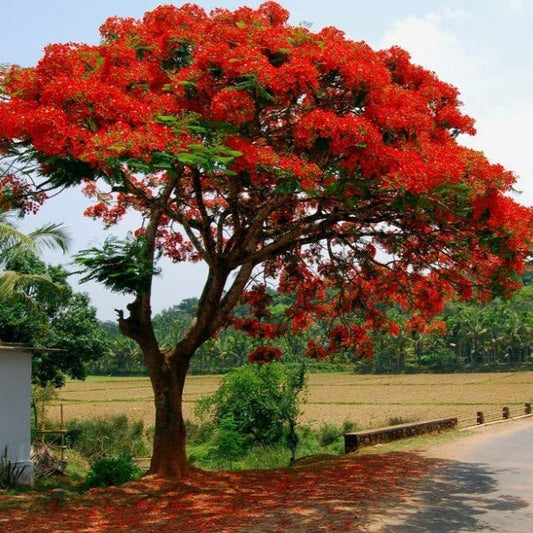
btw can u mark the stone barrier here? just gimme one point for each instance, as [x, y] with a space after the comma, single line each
[358, 439]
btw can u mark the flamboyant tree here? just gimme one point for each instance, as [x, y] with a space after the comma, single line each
[275, 155]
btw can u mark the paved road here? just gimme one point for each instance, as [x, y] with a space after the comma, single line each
[485, 484]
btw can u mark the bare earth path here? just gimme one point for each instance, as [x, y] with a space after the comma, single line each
[485, 483]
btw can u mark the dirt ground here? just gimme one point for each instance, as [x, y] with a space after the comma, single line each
[352, 493]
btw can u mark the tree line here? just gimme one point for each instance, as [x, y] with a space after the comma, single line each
[467, 336]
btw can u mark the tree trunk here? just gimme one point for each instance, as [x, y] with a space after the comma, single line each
[169, 459]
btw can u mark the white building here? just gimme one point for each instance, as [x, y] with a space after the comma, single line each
[15, 406]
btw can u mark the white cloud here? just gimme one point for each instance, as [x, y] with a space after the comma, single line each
[434, 46]
[503, 124]
[504, 137]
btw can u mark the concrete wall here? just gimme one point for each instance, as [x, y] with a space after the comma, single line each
[15, 404]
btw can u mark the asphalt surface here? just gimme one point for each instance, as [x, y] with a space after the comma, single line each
[484, 484]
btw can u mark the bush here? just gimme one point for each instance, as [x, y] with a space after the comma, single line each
[107, 472]
[350, 425]
[398, 421]
[199, 432]
[229, 444]
[261, 401]
[227, 449]
[329, 434]
[9, 472]
[107, 437]
[441, 360]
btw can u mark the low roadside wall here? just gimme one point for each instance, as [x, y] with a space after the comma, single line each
[358, 439]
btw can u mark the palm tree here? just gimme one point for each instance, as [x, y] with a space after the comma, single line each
[14, 243]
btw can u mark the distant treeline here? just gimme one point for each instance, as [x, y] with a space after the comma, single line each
[469, 337]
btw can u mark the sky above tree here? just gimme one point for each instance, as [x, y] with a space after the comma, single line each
[485, 48]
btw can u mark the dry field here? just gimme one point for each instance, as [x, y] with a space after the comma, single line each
[368, 400]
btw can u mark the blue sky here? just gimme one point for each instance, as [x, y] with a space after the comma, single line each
[484, 47]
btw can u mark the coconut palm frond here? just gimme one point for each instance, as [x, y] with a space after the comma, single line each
[11, 237]
[15, 285]
[53, 236]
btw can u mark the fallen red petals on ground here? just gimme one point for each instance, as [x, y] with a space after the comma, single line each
[333, 493]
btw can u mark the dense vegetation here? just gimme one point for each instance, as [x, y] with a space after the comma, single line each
[38, 307]
[250, 421]
[465, 337]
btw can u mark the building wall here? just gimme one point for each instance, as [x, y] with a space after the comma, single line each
[15, 403]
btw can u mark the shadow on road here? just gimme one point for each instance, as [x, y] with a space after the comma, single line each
[456, 497]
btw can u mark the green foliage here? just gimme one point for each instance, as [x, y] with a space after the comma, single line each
[328, 434]
[398, 421]
[108, 472]
[199, 432]
[441, 359]
[229, 443]
[350, 425]
[114, 436]
[75, 330]
[10, 472]
[60, 319]
[215, 450]
[262, 402]
[17, 251]
[122, 357]
[121, 265]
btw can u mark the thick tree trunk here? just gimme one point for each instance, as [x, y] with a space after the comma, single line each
[169, 457]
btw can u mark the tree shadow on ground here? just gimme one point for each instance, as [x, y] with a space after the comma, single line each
[397, 492]
[455, 497]
[319, 494]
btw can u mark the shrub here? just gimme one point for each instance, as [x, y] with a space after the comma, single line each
[107, 437]
[350, 425]
[199, 432]
[107, 472]
[441, 360]
[229, 444]
[398, 420]
[9, 472]
[329, 434]
[261, 401]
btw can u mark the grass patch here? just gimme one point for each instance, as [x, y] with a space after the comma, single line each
[414, 444]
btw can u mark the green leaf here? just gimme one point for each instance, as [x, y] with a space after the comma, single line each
[288, 186]
[168, 119]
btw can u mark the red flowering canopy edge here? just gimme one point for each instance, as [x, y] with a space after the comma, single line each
[271, 152]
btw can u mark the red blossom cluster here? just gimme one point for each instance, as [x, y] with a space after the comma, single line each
[264, 354]
[256, 328]
[315, 351]
[248, 142]
[17, 195]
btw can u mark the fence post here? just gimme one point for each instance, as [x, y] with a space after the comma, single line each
[528, 409]
[480, 419]
[506, 414]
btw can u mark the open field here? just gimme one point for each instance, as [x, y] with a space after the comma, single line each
[369, 400]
